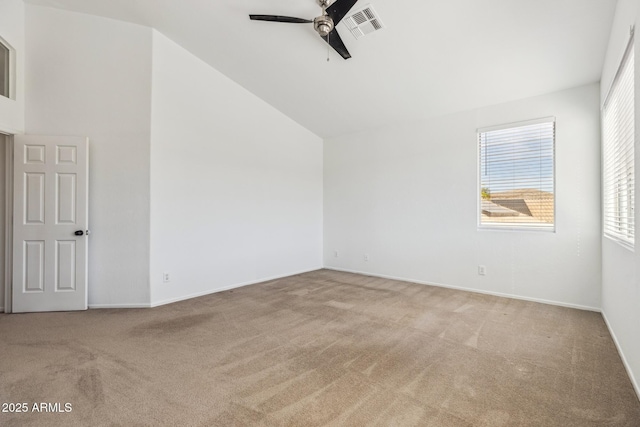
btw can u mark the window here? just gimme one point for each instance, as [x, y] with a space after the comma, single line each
[5, 54]
[618, 136]
[517, 176]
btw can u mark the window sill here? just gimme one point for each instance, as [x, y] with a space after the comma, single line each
[623, 243]
[517, 228]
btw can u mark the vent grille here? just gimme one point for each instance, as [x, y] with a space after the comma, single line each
[359, 18]
[369, 14]
[363, 22]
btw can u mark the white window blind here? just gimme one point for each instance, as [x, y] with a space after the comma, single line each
[618, 135]
[517, 183]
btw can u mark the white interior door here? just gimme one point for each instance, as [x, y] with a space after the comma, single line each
[50, 223]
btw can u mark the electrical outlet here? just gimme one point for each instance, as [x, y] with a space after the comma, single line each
[165, 277]
[335, 254]
[366, 257]
[482, 270]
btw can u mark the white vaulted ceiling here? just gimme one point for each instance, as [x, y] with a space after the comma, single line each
[433, 57]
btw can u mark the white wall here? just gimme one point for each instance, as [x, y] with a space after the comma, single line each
[91, 76]
[620, 266]
[12, 31]
[407, 196]
[236, 186]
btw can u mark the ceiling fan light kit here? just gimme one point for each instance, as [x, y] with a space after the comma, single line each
[324, 25]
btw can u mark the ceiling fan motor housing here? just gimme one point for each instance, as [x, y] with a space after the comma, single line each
[323, 25]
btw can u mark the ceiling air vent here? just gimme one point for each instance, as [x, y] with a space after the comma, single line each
[363, 22]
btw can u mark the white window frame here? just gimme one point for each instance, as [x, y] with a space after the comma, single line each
[618, 154]
[551, 228]
[10, 69]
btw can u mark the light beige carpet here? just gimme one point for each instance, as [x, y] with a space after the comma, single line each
[322, 348]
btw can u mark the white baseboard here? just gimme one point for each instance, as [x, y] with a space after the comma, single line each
[636, 386]
[198, 294]
[226, 288]
[478, 291]
[132, 305]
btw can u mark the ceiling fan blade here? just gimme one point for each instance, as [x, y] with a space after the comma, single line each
[339, 9]
[278, 18]
[335, 42]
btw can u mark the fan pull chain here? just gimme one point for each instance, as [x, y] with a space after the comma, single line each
[328, 47]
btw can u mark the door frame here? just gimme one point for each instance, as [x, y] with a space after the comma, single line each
[8, 225]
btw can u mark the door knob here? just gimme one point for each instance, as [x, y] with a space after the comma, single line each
[79, 233]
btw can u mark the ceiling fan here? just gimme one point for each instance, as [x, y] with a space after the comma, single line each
[324, 24]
